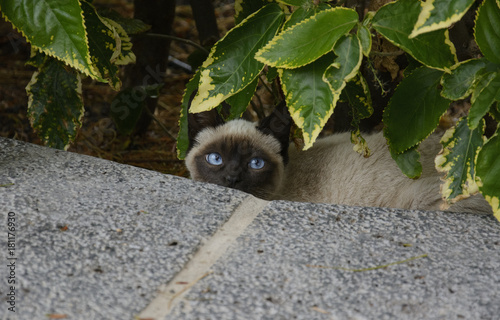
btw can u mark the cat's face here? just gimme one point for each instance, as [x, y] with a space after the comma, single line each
[238, 155]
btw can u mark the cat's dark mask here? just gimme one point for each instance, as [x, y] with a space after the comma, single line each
[239, 154]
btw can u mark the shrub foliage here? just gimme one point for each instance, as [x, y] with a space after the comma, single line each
[316, 49]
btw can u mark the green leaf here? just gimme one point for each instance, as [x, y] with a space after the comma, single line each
[488, 173]
[360, 145]
[487, 30]
[309, 99]
[414, 109]
[367, 20]
[302, 13]
[244, 8]
[308, 40]
[495, 112]
[55, 106]
[37, 59]
[395, 22]
[365, 38]
[408, 162]
[197, 57]
[457, 160]
[130, 26]
[483, 96]
[458, 84]
[127, 106]
[53, 27]
[439, 14]
[271, 74]
[183, 137]
[412, 66]
[231, 66]
[357, 94]
[239, 102]
[103, 46]
[346, 65]
[125, 54]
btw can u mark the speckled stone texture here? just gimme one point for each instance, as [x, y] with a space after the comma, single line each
[128, 231]
[97, 240]
[304, 261]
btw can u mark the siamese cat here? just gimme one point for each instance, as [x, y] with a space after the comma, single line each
[257, 158]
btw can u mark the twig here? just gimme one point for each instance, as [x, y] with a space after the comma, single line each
[177, 294]
[159, 123]
[376, 78]
[265, 85]
[6, 185]
[384, 54]
[166, 36]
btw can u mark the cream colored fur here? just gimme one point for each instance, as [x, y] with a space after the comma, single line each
[238, 128]
[332, 172]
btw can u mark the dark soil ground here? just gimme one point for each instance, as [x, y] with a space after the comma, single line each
[98, 137]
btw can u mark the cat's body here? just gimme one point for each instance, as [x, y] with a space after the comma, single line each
[232, 154]
[373, 181]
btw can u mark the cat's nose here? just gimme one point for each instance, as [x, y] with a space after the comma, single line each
[232, 180]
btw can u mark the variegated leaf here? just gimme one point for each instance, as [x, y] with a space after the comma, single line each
[239, 102]
[309, 99]
[244, 8]
[365, 38]
[129, 25]
[414, 110]
[487, 30]
[346, 65]
[439, 14]
[488, 173]
[183, 137]
[231, 66]
[483, 96]
[302, 13]
[409, 162]
[459, 83]
[103, 46]
[53, 27]
[357, 94]
[124, 55]
[55, 106]
[308, 40]
[395, 22]
[457, 160]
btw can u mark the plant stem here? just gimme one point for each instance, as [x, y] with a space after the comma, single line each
[383, 54]
[165, 36]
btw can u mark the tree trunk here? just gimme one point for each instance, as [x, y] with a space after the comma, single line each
[152, 53]
[206, 24]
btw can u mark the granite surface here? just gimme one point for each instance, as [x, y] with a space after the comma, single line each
[94, 239]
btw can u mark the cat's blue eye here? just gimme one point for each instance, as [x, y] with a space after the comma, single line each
[256, 163]
[214, 158]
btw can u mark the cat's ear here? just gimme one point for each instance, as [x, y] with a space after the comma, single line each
[278, 124]
[199, 121]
